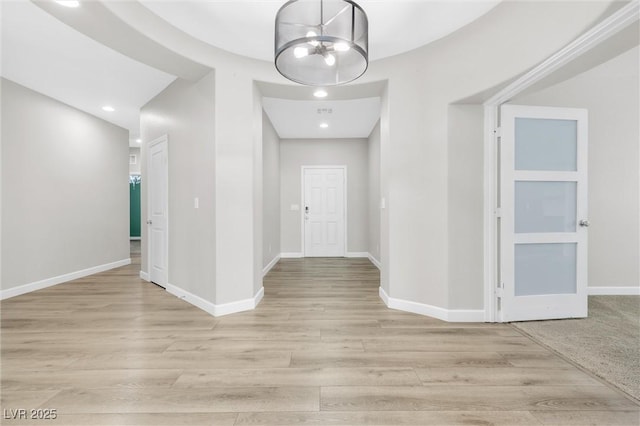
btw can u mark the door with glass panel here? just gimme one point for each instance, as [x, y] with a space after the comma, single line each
[543, 221]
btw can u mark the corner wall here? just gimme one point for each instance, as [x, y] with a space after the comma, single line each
[374, 194]
[65, 193]
[185, 112]
[465, 206]
[270, 193]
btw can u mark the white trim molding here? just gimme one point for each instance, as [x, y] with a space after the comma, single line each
[145, 276]
[357, 254]
[375, 261]
[614, 291]
[212, 308]
[135, 238]
[449, 315]
[271, 264]
[610, 26]
[490, 208]
[291, 255]
[49, 282]
[384, 296]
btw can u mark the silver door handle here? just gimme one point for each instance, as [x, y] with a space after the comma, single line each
[584, 223]
[149, 222]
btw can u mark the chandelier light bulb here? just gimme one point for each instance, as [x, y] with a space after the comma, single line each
[330, 60]
[313, 34]
[341, 47]
[300, 52]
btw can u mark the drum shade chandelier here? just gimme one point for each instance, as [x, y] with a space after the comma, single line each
[321, 42]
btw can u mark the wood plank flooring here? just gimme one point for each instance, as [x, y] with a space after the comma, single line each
[320, 349]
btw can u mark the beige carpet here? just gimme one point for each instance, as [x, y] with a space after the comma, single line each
[606, 343]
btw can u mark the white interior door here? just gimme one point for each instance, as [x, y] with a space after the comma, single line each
[324, 212]
[543, 226]
[158, 211]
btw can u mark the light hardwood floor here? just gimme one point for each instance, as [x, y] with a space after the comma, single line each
[320, 349]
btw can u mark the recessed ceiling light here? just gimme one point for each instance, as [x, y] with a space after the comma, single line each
[108, 108]
[139, 140]
[320, 93]
[68, 3]
[324, 125]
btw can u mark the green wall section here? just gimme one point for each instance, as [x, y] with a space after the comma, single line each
[134, 207]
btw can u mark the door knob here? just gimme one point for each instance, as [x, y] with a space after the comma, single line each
[584, 223]
[149, 222]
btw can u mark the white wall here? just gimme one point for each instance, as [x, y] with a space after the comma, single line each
[270, 192]
[65, 196]
[238, 143]
[465, 206]
[255, 285]
[185, 112]
[295, 153]
[611, 94]
[374, 193]
[135, 168]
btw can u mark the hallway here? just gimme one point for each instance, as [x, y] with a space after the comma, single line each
[321, 348]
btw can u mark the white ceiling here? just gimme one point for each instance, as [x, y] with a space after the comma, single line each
[246, 27]
[53, 58]
[301, 119]
[45, 55]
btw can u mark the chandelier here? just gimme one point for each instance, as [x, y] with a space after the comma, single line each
[321, 42]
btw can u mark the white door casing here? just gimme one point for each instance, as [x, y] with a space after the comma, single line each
[158, 220]
[543, 213]
[324, 211]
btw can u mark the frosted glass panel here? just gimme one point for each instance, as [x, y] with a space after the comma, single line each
[544, 144]
[545, 206]
[545, 269]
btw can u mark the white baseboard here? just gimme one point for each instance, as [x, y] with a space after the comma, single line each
[212, 308]
[375, 261]
[291, 255]
[49, 282]
[465, 315]
[613, 291]
[384, 296]
[145, 276]
[135, 238]
[271, 264]
[450, 315]
[357, 254]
